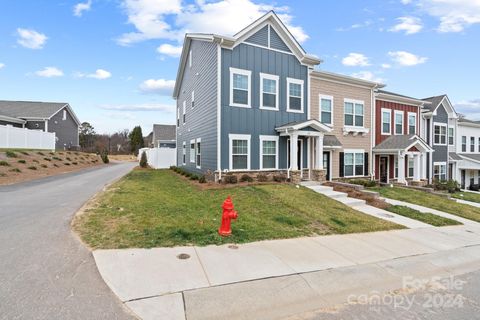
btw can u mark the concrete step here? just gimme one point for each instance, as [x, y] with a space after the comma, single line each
[351, 202]
[320, 188]
[334, 194]
[309, 183]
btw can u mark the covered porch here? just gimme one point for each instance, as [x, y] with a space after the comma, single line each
[313, 132]
[467, 169]
[401, 159]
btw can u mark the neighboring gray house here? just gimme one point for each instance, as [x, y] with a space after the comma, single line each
[164, 136]
[45, 116]
[439, 129]
[242, 99]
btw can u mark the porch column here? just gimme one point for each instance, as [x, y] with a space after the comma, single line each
[319, 154]
[293, 151]
[401, 168]
[416, 167]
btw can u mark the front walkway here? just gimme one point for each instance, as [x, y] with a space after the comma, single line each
[156, 284]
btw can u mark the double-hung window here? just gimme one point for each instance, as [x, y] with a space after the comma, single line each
[268, 152]
[354, 164]
[184, 153]
[199, 154]
[268, 91]
[193, 99]
[411, 165]
[192, 151]
[395, 166]
[472, 144]
[398, 122]
[440, 134]
[464, 144]
[294, 95]
[326, 109]
[239, 151]
[240, 92]
[178, 117]
[386, 121]
[440, 171]
[412, 123]
[353, 111]
[451, 136]
[184, 112]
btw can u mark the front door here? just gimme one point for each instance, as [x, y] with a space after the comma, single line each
[299, 154]
[384, 169]
[326, 164]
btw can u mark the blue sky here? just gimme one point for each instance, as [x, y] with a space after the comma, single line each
[115, 61]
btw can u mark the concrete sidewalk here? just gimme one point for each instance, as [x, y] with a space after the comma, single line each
[155, 284]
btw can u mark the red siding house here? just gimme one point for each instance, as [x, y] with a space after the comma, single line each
[399, 152]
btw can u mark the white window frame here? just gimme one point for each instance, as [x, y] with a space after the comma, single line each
[410, 114]
[198, 153]
[346, 100]
[410, 158]
[277, 81]
[184, 116]
[478, 146]
[472, 144]
[395, 113]
[243, 72]
[192, 103]
[232, 137]
[441, 164]
[395, 167]
[64, 114]
[192, 151]
[295, 81]
[325, 97]
[389, 123]
[268, 138]
[354, 151]
[464, 144]
[439, 124]
[184, 153]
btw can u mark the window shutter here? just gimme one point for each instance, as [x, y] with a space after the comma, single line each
[341, 165]
[365, 164]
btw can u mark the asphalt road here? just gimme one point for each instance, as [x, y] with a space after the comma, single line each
[45, 272]
[453, 298]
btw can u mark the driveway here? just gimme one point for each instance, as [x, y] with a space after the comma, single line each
[45, 272]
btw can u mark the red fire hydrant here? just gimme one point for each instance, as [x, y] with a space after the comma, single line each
[228, 214]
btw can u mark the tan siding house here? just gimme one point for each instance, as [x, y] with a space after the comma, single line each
[345, 104]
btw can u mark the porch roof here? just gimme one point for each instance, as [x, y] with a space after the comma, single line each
[475, 157]
[402, 142]
[304, 127]
[454, 156]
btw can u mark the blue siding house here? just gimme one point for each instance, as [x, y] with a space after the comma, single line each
[242, 104]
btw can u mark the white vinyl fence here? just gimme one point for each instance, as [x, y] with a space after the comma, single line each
[159, 158]
[20, 138]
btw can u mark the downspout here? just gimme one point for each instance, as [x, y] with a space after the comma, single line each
[373, 132]
[288, 167]
[219, 109]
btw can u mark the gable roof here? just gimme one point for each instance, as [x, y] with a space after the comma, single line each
[436, 101]
[299, 125]
[34, 110]
[401, 143]
[330, 76]
[164, 132]
[468, 122]
[400, 98]
[229, 42]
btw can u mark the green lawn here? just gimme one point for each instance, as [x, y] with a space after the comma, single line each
[426, 217]
[468, 196]
[430, 200]
[151, 208]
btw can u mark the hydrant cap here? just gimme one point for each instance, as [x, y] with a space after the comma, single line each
[228, 204]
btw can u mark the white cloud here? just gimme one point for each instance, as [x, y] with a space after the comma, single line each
[355, 59]
[140, 107]
[406, 59]
[80, 7]
[386, 65]
[454, 15]
[49, 72]
[2, 65]
[364, 24]
[469, 108]
[170, 20]
[31, 39]
[159, 86]
[367, 75]
[169, 50]
[99, 74]
[410, 25]
[406, 1]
